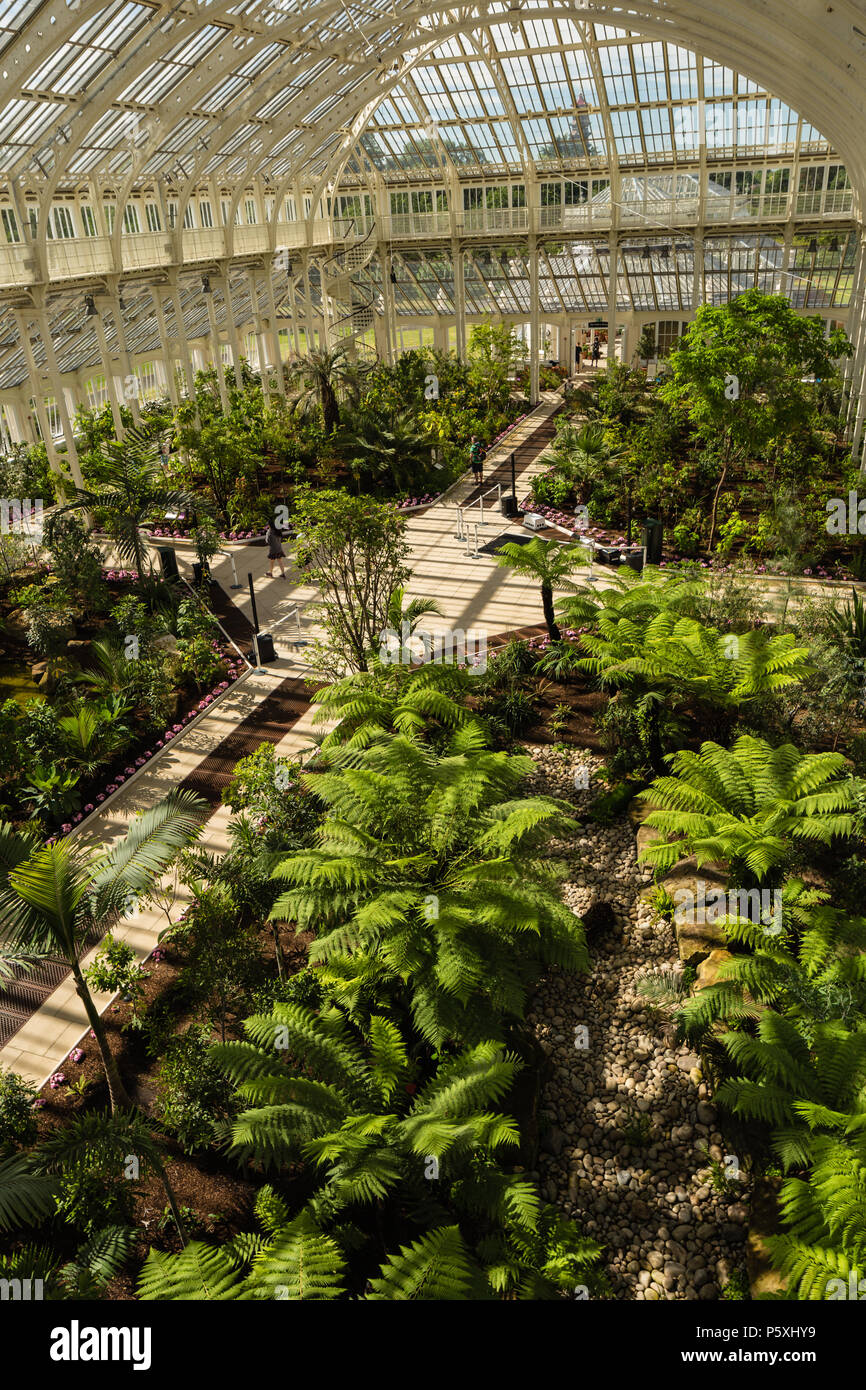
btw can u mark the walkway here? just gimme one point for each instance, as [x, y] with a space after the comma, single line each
[473, 593]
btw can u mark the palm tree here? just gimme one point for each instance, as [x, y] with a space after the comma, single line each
[428, 873]
[53, 896]
[134, 490]
[106, 1140]
[748, 805]
[323, 374]
[393, 451]
[550, 564]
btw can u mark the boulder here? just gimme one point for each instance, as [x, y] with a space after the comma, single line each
[697, 915]
[16, 623]
[166, 643]
[708, 969]
[76, 646]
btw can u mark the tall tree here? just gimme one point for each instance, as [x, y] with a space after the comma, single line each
[739, 374]
[354, 549]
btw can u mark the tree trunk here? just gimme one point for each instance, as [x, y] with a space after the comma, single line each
[117, 1092]
[716, 497]
[161, 1173]
[547, 605]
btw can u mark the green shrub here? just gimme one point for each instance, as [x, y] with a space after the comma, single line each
[18, 1123]
[192, 1095]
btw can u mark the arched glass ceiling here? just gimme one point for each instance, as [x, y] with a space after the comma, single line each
[570, 95]
[270, 87]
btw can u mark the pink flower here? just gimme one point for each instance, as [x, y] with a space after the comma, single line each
[77, 1055]
[112, 787]
[66, 827]
[100, 796]
[57, 1080]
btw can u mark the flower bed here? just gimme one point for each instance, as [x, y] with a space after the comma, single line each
[184, 533]
[134, 763]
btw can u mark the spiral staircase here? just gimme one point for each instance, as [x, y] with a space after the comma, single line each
[353, 299]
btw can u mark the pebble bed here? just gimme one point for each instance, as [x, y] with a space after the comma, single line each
[627, 1127]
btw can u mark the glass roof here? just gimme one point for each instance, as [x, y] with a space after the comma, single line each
[271, 87]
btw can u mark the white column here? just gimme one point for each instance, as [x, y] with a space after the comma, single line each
[274, 329]
[110, 379]
[167, 353]
[231, 329]
[459, 298]
[534, 324]
[38, 397]
[613, 255]
[217, 354]
[60, 396]
[125, 364]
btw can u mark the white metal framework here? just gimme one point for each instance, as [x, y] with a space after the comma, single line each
[189, 182]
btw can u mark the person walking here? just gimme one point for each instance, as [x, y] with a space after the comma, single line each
[275, 551]
[596, 352]
[476, 459]
[577, 359]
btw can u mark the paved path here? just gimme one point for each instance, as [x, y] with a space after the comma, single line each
[473, 593]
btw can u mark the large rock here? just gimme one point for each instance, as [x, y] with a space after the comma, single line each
[708, 969]
[16, 623]
[166, 643]
[697, 912]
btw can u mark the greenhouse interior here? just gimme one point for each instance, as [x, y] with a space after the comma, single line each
[433, 659]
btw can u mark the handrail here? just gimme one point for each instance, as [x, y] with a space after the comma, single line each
[497, 488]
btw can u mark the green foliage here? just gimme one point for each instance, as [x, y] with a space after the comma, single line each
[354, 549]
[17, 1114]
[748, 805]
[282, 809]
[192, 1096]
[429, 871]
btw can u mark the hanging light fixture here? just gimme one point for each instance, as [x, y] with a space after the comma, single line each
[646, 253]
[664, 252]
[834, 243]
[205, 285]
[89, 306]
[813, 247]
[393, 276]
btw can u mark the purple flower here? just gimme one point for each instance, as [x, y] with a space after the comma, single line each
[112, 787]
[66, 827]
[88, 808]
[100, 796]
[130, 770]
[56, 1080]
[76, 1055]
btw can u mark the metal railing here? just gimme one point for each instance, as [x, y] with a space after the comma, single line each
[479, 502]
